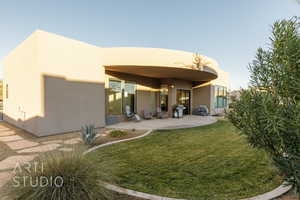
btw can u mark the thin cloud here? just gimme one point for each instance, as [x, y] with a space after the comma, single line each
[297, 1]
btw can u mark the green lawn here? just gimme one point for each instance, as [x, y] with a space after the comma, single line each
[209, 162]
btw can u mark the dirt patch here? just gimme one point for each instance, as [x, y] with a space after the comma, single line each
[4, 151]
[105, 136]
[73, 139]
[118, 196]
[288, 196]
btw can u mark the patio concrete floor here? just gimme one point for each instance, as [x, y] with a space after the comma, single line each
[187, 121]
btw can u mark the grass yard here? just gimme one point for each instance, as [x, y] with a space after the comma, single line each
[204, 163]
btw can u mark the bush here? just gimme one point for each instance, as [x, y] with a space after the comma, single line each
[269, 112]
[118, 133]
[88, 134]
[73, 177]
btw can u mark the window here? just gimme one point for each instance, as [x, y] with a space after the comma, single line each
[220, 97]
[183, 98]
[120, 94]
[115, 98]
[129, 96]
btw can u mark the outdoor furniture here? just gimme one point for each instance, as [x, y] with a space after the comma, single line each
[131, 115]
[201, 110]
[178, 111]
[147, 114]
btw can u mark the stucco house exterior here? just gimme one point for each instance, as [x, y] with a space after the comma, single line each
[53, 84]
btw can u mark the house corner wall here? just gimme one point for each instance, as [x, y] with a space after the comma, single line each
[73, 88]
[222, 80]
[202, 96]
[22, 101]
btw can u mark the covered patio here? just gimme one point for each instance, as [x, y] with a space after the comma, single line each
[188, 121]
[155, 83]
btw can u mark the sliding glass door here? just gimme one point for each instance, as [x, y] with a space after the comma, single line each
[114, 97]
[129, 96]
[120, 94]
[184, 98]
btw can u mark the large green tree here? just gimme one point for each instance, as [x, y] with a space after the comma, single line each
[268, 113]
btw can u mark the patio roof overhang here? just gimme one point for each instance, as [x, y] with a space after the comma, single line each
[167, 72]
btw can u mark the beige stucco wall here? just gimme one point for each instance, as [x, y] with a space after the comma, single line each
[71, 104]
[146, 101]
[60, 86]
[222, 80]
[202, 96]
[152, 57]
[21, 74]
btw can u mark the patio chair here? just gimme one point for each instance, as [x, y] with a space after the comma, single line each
[131, 115]
[147, 114]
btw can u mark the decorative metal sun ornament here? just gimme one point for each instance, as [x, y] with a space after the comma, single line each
[197, 62]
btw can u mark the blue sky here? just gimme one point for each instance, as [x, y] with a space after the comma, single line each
[229, 31]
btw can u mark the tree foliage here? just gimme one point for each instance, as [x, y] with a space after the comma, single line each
[268, 113]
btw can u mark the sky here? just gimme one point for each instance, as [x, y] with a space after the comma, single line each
[230, 31]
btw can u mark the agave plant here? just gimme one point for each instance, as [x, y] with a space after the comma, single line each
[88, 134]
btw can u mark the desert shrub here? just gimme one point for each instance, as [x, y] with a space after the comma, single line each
[88, 134]
[268, 113]
[118, 133]
[59, 176]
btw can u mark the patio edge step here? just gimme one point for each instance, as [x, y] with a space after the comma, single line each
[277, 192]
[115, 142]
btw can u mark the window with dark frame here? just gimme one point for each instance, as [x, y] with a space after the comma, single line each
[220, 97]
[120, 94]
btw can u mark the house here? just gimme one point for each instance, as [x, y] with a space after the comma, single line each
[53, 84]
